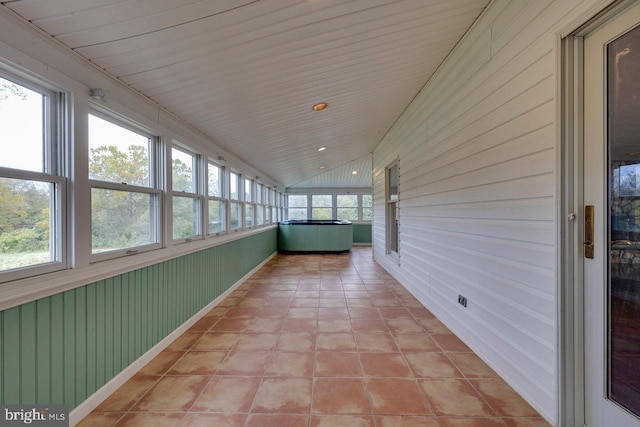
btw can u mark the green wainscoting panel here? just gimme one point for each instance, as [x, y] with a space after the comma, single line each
[362, 233]
[61, 349]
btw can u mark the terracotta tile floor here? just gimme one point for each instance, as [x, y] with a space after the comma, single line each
[317, 340]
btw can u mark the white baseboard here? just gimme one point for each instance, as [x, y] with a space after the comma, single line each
[92, 402]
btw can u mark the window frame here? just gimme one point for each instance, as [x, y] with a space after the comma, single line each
[357, 207]
[155, 189]
[249, 205]
[307, 206]
[222, 198]
[392, 211]
[331, 208]
[237, 201]
[197, 194]
[55, 143]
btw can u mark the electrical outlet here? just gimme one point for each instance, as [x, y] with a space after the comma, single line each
[462, 301]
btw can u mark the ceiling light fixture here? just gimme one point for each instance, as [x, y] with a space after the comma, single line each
[354, 173]
[319, 106]
[322, 148]
[323, 167]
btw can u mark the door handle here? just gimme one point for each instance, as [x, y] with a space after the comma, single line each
[588, 231]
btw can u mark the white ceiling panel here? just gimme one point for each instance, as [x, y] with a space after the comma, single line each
[246, 72]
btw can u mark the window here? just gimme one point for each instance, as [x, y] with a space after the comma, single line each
[367, 207]
[186, 198]
[125, 199]
[32, 187]
[259, 204]
[347, 207]
[297, 207]
[274, 206]
[321, 206]
[235, 214]
[249, 206]
[215, 199]
[392, 209]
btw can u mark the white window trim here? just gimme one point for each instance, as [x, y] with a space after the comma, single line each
[155, 189]
[56, 150]
[223, 198]
[197, 195]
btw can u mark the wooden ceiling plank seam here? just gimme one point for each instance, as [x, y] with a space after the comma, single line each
[251, 29]
[38, 9]
[97, 17]
[311, 40]
[398, 45]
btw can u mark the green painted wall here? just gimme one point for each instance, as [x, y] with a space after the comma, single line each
[61, 349]
[362, 233]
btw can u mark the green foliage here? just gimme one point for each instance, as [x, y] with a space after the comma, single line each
[22, 240]
[8, 88]
[24, 216]
[111, 164]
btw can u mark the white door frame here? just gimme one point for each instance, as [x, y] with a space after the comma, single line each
[571, 367]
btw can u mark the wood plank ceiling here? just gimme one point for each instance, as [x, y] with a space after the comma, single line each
[247, 72]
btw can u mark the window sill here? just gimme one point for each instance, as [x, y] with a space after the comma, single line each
[26, 290]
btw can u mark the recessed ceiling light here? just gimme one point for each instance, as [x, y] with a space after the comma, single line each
[322, 148]
[354, 173]
[323, 167]
[320, 106]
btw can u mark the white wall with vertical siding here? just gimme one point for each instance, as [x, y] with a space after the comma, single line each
[478, 155]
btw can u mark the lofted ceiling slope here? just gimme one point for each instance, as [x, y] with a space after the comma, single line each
[247, 73]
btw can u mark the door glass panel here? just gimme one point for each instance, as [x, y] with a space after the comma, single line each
[623, 69]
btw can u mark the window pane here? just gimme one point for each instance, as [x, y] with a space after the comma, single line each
[274, 214]
[347, 201]
[233, 183]
[367, 207]
[26, 223]
[121, 219]
[117, 154]
[185, 217]
[215, 181]
[297, 201]
[260, 214]
[349, 214]
[324, 201]
[22, 122]
[393, 182]
[216, 216]
[297, 213]
[321, 213]
[248, 219]
[259, 192]
[367, 214]
[184, 167]
[248, 196]
[236, 216]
